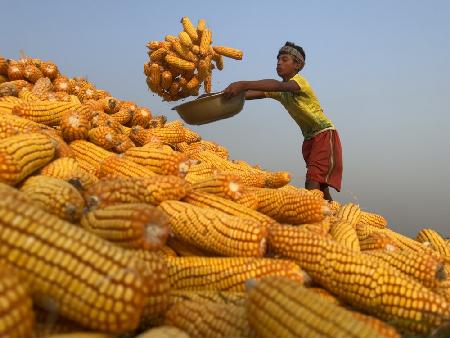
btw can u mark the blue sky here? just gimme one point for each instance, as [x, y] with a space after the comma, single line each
[381, 70]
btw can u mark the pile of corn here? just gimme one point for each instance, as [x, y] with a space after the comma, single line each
[115, 222]
[180, 64]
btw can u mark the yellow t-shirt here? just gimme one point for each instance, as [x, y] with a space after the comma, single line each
[304, 108]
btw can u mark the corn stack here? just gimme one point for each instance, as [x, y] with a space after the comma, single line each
[214, 231]
[227, 273]
[163, 331]
[222, 185]
[279, 307]
[118, 166]
[139, 226]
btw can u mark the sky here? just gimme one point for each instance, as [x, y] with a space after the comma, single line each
[380, 69]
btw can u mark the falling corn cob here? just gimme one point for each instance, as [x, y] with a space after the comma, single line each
[362, 281]
[16, 313]
[373, 219]
[153, 190]
[349, 212]
[45, 112]
[67, 168]
[289, 207]
[92, 282]
[118, 166]
[427, 269]
[344, 233]
[214, 231]
[229, 52]
[129, 225]
[229, 207]
[226, 273]
[23, 154]
[159, 160]
[56, 196]
[222, 185]
[279, 307]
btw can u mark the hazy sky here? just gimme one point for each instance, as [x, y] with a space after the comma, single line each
[381, 70]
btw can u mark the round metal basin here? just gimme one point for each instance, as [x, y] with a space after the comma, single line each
[209, 108]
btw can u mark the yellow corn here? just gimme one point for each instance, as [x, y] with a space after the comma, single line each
[104, 137]
[185, 39]
[163, 331]
[349, 212]
[218, 59]
[373, 219]
[215, 231]
[203, 70]
[344, 233]
[16, 312]
[49, 70]
[141, 117]
[289, 207]
[157, 55]
[93, 283]
[435, 241]
[179, 63]
[229, 52]
[209, 319]
[361, 281]
[15, 71]
[118, 166]
[68, 169]
[27, 96]
[427, 269]
[377, 241]
[166, 80]
[226, 273]
[6, 107]
[207, 84]
[11, 125]
[62, 149]
[129, 225]
[88, 155]
[326, 295]
[206, 200]
[56, 196]
[223, 185]
[184, 249]
[75, 124]
[279, 307]
[191, 136]
[216, 296]
[45, 112]
[248, 199]
[123, 143]
[32, 73]
[205, 41]
[189, 28]
[123, 116]
[277, 179]
[159, 160]
[153, 190]
[23, 154]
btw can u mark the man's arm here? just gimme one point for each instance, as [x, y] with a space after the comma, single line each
[261, 86]
[254, 94]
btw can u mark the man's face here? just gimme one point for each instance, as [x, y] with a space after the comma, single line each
[286, 65]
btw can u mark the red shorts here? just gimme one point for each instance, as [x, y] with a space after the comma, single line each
[323, 157]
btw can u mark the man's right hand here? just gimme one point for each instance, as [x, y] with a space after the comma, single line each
[234, 89]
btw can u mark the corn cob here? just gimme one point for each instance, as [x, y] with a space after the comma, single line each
[62, 149]
[153, 190]
[377, 241]
[163, 331]
[67, 168]
[11, 125]
[117, 166]
[184, 249]
[226, 273]
[167, 135]
[218, 59]
[15, 71]
[349, 212]
[157, 55]
[6, 107]
[215, 231]
[326, 295]
[373, 219]
[229, 52]
[123, 143]
[209, 319]
[141, 117]
[21, 155]
[75, 124]
[277, 179]
[62, 83]
[288, 207]
[437, 243]
[129, 225]
[103, 137]
[229, 207]
[26, 95]
[54, 195]
[361, 281]
[3, 66]
[191, 136]
[66, 265]
[279, 307]
[49, 70]
[321, 228]
[123, 116]
[344, 233]
[248, 199]
[32, 73]
[189, 28]
[222, 185]
[16, 313]
[88, 155]
[158, 160]
[199, 172]
[427, 269]
[179, 63]
[216, 296]
[45, 112]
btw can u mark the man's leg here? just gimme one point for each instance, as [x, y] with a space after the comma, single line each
[326, 192]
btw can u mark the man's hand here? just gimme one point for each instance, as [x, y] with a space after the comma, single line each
[234, 89]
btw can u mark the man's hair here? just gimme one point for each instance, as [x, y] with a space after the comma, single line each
[300, 49]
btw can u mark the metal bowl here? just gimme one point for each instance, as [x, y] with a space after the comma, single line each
[210, 107]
